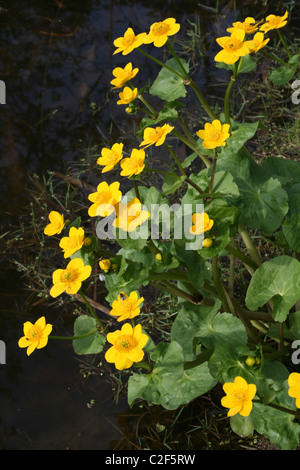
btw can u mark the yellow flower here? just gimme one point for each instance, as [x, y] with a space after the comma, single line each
[294, 384]
[134, 164]
[128, 42]
[126, 307]
[56, 224]
[130, 216]
[248, 26]
[214, 135]
[127, 346]
[160, 31]
[127, 95]
[35, 336]
[70, 279]
[105, 264]
[202, 223]
[110, 157]
[104, 199]
[239, 396]
[73, 242]
[123, 75]
[260, 41]
[274, 22]
[156, 136]
[207, 242]
[233, 46]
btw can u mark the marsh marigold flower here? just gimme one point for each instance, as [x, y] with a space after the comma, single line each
[73, 242]
[260, 42]
[127, 95]
[104, 199]
[214, 134]
[130, 216]
[239, 396]
[128, 42]
[110, 157]
[294, 384]
[274, 22]
[56, 224]
[233, 46]
[160, 31]
[127, 346]
[201, 223]
[248, 26]
[105, 264]
[156, 136]
[69, 280]
[122, 76]
[126, 307]
[134, 164]
[35, 335]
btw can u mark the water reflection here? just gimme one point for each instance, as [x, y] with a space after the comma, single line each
[56, 59]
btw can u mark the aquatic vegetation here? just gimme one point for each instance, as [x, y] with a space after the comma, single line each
[244, 342]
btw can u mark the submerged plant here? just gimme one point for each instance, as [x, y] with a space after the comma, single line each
[243, 342]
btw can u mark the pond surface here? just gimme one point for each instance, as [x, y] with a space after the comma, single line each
[56, 59]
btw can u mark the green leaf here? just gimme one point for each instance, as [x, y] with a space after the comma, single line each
[262, 202]
[129, 279]
[291, 225]
[276, 425]
[247, 65]
[277, 280]
[284, 74]
[172, 183]
[240, 134]
[228, 361]
[169, 86]
[242, 425]
[91, 344]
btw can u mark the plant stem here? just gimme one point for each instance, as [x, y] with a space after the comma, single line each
[92, 311]
[202, 100]
[243, 258]
[192, 145]
[213, 172]
[89, 333]
[273, 57]
[284, 43]
[149, 56]
[249, 244]
[226, 100]
[218, 284]
[181, 169]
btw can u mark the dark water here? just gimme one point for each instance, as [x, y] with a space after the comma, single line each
[56, 59]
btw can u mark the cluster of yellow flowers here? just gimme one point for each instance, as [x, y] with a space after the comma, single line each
[235, 46]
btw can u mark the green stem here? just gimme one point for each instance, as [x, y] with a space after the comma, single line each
[192, 145]
[226, 100]
[202, 100]
[148, 106]
[171, 289]
[273, 57]
[284, 44]
[178, 61]
[251, 248]
[243, 258]
[72, 338]
[213, 172]
[181, 169]
[92, 311]
[149, 56]
[218, 284]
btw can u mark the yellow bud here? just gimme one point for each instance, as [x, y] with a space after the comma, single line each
[158, 257]
[207, 242]
[128, 110]
[87, 241]
[104, 264]
[250, 361]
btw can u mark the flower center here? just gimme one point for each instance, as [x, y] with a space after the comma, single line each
[103, 197]
[128, 39]
[240, 395]
[69, 276]
[214, 134]
[35, 334]
[125, 343]
[232, 44]
[160, 29]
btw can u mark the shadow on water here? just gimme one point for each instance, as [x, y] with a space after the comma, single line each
[56, 59]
